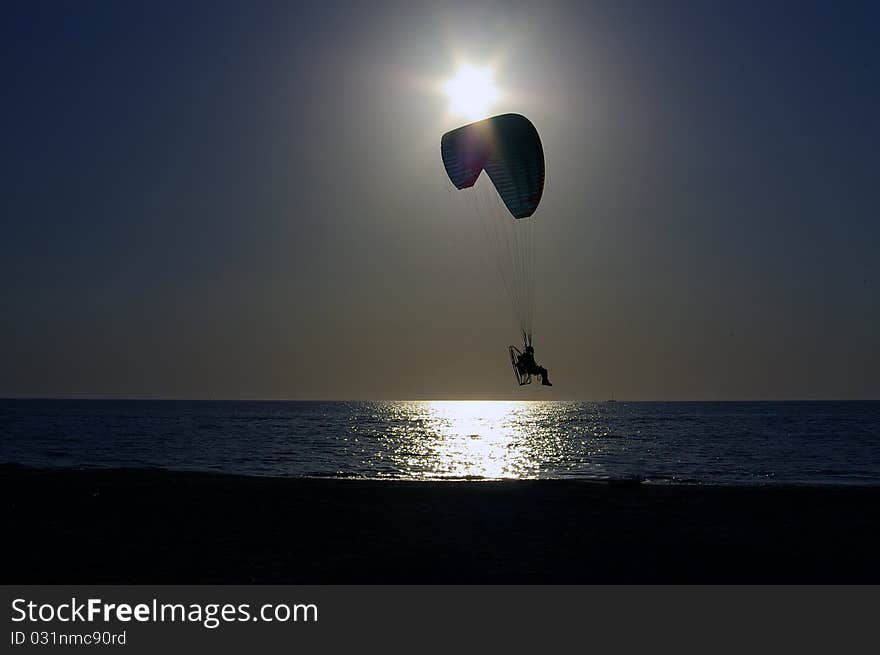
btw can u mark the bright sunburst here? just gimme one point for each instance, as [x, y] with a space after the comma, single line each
[472, 92]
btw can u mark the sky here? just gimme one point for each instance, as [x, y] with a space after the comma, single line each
[246, 200]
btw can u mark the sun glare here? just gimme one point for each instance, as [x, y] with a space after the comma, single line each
[472, 92]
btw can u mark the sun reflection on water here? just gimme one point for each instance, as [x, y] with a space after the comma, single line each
[467, 439]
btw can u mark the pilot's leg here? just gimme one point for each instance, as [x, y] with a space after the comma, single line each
[543, 373]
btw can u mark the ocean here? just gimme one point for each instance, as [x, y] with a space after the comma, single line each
[727, 443]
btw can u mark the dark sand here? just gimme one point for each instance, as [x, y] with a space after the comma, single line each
[136, 526]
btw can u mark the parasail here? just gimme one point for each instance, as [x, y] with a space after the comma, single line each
[508, 149]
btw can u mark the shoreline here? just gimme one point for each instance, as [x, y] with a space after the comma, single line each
[151, 526]
[615, 482]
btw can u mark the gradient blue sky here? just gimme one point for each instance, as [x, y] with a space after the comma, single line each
[246, 200]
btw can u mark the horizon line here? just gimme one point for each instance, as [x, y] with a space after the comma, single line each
[425, 400]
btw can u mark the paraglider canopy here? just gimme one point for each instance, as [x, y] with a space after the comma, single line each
[509, 149]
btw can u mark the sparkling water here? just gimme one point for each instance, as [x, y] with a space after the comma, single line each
[660, 442]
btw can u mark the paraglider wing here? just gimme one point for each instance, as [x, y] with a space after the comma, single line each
[516, 164]
[464, 153]
[509, 149]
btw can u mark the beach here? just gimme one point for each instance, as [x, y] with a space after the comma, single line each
[148, 526]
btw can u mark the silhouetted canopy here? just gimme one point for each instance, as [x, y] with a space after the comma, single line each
[509, 149]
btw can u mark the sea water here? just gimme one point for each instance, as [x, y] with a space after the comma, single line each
[661, 442]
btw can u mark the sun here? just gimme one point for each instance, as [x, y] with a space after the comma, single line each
[472, 92]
